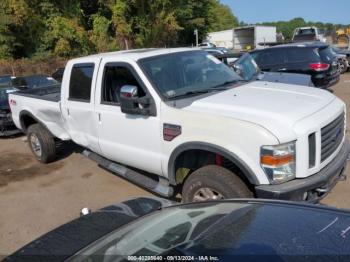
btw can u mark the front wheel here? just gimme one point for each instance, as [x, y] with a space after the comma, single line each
[213, 183]
[41, 143]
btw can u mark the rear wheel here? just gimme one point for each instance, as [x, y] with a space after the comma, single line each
[41, 143]
[343, 66]
[213, 183]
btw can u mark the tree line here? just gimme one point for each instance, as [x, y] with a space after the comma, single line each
[68, 28]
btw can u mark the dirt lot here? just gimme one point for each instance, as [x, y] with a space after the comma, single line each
[36, 198]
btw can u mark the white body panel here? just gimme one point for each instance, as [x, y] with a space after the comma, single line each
[239, 120]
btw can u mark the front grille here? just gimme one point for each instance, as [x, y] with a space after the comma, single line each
[331, 137]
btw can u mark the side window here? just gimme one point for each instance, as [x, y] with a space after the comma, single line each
[299, 54]
[115, 77]
[256, 56]
[80, 82]
[272, 57]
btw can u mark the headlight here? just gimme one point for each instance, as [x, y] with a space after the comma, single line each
[278, 162]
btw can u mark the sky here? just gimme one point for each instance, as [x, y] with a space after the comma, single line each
[254, 11]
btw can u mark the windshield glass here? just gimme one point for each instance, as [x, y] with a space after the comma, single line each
[306, 31]
[180, 73]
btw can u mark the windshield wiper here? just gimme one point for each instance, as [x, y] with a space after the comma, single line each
[229, 82]
[198, 92]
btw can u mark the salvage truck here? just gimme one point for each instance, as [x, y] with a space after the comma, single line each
[181, 121]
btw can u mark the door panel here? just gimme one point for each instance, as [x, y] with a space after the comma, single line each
[78, 103]
[132, 140]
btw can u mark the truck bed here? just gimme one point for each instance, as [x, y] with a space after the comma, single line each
[42, 103]
[50, 93]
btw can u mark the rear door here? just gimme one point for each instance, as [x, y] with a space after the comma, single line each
[271, 60]
[78, 102]
[298, 59]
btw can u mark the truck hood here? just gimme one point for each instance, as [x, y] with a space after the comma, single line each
[274, 106]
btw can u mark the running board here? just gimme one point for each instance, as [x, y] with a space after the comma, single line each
[160, 187]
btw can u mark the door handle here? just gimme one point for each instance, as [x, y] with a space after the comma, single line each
[99, 117]
[68, 113]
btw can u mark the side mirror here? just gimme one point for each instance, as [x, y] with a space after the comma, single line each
[131, 103]
[129, 91]
[238, 69]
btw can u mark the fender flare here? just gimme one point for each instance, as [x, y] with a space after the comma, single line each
[247, 172]
[27, 113]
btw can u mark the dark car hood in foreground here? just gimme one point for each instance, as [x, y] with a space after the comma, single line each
[68, 239]
[232, 230]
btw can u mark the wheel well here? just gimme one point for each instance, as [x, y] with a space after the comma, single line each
[26, 121]
[190, 160]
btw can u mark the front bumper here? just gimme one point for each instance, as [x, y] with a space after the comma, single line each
[313, 188]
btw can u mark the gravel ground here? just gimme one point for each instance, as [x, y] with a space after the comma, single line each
[36, 198]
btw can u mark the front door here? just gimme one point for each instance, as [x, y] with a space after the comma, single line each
[132, 140]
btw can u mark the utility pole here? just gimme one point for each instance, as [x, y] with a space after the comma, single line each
[196, 34]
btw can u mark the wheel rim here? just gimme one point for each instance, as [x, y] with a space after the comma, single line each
[206, 194]
[35, 145]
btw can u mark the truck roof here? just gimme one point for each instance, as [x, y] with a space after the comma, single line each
[137, 54]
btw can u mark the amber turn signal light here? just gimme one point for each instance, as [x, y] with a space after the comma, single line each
[276, 160]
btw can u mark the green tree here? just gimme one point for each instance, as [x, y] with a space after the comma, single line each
[100, 36]
[221, 17]
[66, 38]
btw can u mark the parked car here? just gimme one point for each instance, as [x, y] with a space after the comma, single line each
[314, 59]
[216, 50]
[343, 58]
[33, 81]
[58, 74]
[207, 44]
[221, 136]
[9, 84]
[5, 80]
[247, 68]
[231, 230]
[7, 127]
[311, 34]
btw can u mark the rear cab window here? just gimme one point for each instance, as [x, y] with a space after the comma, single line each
[80, 82]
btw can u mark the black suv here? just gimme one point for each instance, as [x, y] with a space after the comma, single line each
[315, 59]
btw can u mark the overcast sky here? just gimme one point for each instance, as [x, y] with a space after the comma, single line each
[254, 11]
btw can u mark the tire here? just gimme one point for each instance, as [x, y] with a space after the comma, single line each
[343, 67]
[41, 143]
[222, 182]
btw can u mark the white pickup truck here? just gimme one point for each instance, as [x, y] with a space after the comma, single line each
[180, 121]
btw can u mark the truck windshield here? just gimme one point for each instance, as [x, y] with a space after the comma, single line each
[193, 72]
